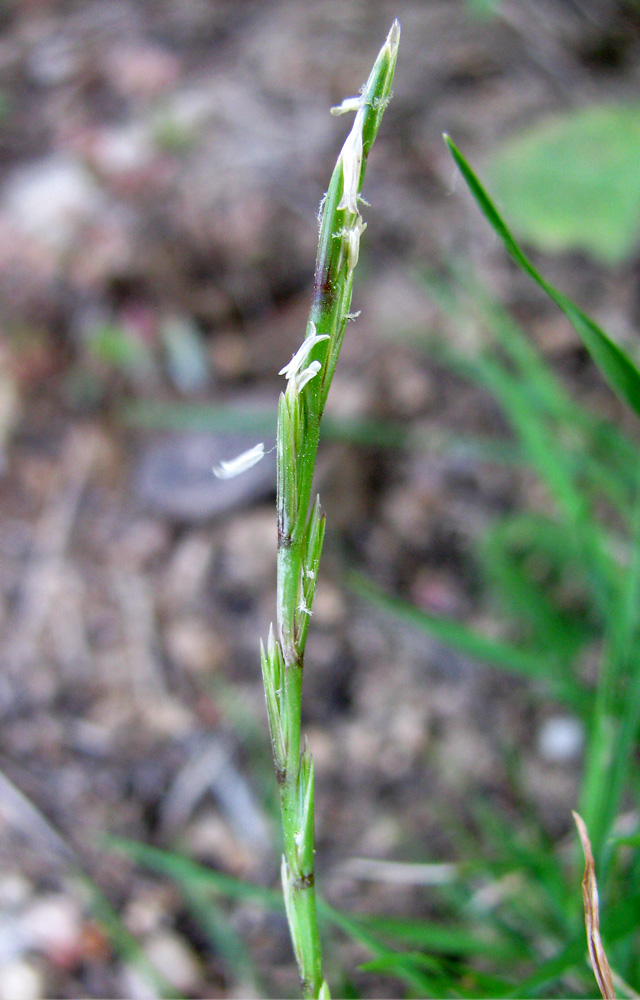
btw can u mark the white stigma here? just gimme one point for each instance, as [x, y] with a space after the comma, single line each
[235, 466]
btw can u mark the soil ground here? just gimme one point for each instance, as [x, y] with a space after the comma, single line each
[161, 167]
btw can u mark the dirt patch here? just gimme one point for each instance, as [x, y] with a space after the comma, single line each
[166, 161]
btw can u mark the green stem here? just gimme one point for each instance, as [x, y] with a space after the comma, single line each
[300, 523]
[298, 869]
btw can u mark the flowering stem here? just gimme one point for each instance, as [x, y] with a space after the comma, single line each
[300, 523]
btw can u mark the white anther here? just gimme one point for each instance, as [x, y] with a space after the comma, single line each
[353, 243]
[349, 104]
[300, 380]
[291, 369]
[351, 156]
[234, 466]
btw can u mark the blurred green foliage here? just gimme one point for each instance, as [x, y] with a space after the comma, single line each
[565, 580]
[482, 8]
[565, 576]
[571, 182]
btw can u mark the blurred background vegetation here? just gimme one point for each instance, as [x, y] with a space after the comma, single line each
[473, 673]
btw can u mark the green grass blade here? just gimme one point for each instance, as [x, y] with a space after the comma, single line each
[124, 942]
[550, 971]
[192, 878]
[437, 979]
[189, 873]
[616, 924]
[614, 363]
[590, 451]
[441, 938]
[225, 940]
[527, 663]
[527, 851]
[615, 726]
[599, 450]
[399, 964]
[506, 551]
[406, 966]
[627, 840]
[546, 454]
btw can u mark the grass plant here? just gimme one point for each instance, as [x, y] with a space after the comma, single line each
[589, 547]
[301, 524]
[509, 922]
[612, 571]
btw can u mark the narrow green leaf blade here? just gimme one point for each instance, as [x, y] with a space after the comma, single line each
[189, 873]
[459, 636]
[441, 938]
[615, 364]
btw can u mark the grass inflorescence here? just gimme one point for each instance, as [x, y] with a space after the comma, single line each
[509, 915]
[300, 521]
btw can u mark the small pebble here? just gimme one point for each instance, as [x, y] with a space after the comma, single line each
[19, 980]
[147, 911]
[210, 838]
[52, 925]
[560, 739]
[141, 71]
[329, 607]
[136, 985]
[51, 199]
[185, 574]
[141, 542]
[194, 646]
[249, 548]
[174, 960]
[15, 889]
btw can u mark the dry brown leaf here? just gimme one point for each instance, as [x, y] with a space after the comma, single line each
[599, 963]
